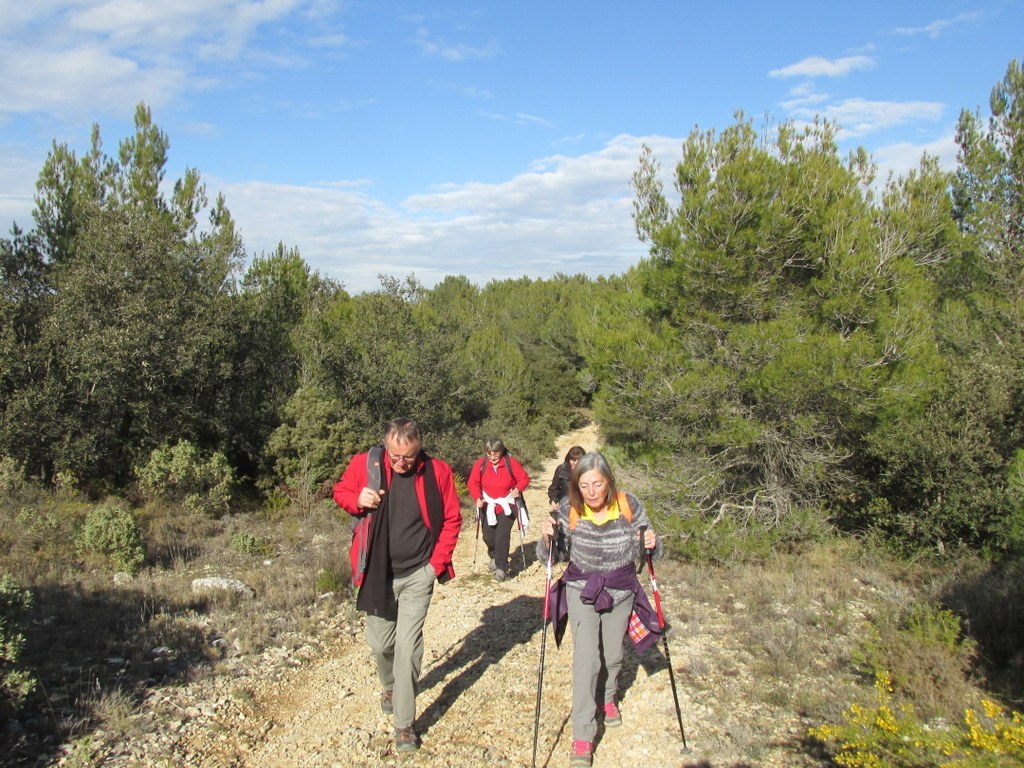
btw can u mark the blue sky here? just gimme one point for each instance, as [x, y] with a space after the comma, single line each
[487, 139]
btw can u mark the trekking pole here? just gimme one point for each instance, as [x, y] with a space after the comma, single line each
[522, 534]
[476, 543]
[664, 635]
[543, 643]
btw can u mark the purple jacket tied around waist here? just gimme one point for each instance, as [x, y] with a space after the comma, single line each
[595, 592]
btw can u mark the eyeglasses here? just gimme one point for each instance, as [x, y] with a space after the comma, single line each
[494, 453]
[395, 459]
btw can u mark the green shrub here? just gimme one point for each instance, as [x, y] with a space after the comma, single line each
[65, 485]
[201, 483]
[12, 475]
[249, 544]
[933, 626]
[15, 683]
[925, 658]
[331, 580]
[111, 530]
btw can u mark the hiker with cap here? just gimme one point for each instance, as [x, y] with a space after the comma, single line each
[559, 488]
[604, 533]
[496, 483]
[408, 521]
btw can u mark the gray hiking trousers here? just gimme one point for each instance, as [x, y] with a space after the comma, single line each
[597, 640]
[398, 645]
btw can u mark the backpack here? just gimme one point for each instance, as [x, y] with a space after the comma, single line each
[624, 509]
[524, 513]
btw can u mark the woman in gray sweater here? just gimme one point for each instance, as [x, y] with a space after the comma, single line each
[606, 533]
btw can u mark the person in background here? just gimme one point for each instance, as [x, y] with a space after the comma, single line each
[606, 533]
[559, 488]
[405, 538]
[496, 482]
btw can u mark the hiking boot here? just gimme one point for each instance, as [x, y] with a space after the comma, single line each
[612, 716]
[582, 753]
[405, 740]
[385, 702]
[499, 575]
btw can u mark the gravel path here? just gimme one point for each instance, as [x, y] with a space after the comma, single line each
[318, 706]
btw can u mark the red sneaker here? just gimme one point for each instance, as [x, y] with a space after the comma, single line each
[612, 716]
[582, 753]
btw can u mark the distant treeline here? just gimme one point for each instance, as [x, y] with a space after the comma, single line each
[802, 345]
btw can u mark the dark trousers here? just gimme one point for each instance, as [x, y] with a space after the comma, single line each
[497, 538]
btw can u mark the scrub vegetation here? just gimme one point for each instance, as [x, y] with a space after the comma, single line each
[813, 369]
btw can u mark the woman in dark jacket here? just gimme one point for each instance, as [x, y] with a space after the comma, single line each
[559, 487]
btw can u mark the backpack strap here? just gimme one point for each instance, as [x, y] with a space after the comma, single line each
[624, 509]
[374, 476]
[361, 534]
[508, 465]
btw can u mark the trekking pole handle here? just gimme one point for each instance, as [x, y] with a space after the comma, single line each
[643, 539]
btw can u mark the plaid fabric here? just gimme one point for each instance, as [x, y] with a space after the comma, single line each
[637, 629]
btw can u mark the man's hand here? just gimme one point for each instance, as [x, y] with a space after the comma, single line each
[369, 498]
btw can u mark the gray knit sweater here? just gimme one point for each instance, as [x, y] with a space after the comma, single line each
[601, 548]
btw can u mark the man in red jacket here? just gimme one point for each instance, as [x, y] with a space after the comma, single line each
[404, 541]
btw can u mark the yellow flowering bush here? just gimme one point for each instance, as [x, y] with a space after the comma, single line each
[879, 737]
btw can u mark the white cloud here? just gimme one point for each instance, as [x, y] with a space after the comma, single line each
[524, 119]
[858, 117]
[81, 80]
[802, 96]
[567, 214]
[937, 27]
[63, 59]
[19, 171]
[818, 66]
[432, 45]
[904, 156]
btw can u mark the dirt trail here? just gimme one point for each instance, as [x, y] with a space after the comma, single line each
[479, 686]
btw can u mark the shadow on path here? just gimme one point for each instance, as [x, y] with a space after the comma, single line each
[501, 628]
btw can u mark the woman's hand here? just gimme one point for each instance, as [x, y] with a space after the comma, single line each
[650, 540]
[547, 527]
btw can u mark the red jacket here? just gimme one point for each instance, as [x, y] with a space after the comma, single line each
[497, 484]
[346, 494]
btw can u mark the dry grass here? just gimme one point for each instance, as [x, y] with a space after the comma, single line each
[795, 640]
[96, 645]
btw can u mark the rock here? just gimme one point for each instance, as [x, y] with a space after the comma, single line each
[209, 584]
